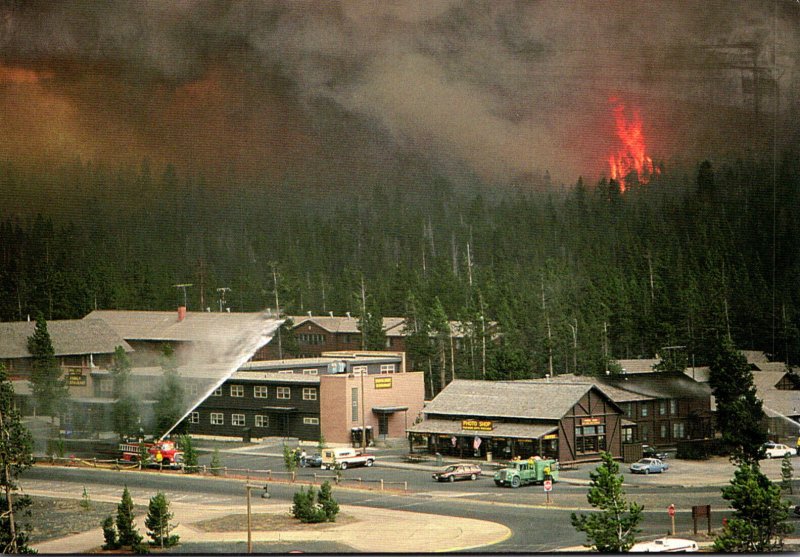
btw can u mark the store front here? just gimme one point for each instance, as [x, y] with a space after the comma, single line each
[517, 419]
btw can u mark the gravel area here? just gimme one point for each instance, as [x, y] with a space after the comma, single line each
[268, 521]
[56, 518]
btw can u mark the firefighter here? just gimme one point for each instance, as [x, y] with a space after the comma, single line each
[159, 458]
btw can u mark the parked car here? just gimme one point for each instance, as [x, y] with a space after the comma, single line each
[313, 461]
[649, 466]
[797, 510]
[779, 451]
[649, 451]
[665, 545]
[458, 472]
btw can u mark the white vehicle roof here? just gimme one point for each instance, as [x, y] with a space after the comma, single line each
[665, 545]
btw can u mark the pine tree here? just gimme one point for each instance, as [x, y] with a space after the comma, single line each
[614, 527]
[787, 472]
[216, 463]
[157, 522]
[190, 456]
[328, 505]
[125, 411]
[759, 519]
[740, 415]
[110, 534]
[169, 404]
[50, 392]
[16, 455]
[126, 527]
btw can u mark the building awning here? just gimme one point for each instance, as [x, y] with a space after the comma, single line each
[500, 429]
[388, 409]
[279, 408]
[628, 423]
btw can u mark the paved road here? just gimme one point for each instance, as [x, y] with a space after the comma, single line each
[535, 526]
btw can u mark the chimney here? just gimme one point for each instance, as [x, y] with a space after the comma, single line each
[181, 313]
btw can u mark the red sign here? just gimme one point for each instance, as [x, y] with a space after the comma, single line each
[671, 510]
[548, 485]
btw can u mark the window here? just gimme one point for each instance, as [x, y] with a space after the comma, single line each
[387, 368]
[311, 338]
[260, 391]
[673, 406]
[237, 419]
[262, 421]
[284, 393]
[590, 438]
[217, 418]
[106, 385]
[663, 431]
[218, 391]
[662, 408]
[628, 409]
[644, 410]
[627, 435]
[358, 370]
[309, 393]
[644, 432]
[194, 418]
[311, 421]
[678, 431]
[286, 371]
[310, 371]
[237, 391]
[354, 404]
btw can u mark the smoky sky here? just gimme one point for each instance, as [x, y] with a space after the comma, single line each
[498, 89]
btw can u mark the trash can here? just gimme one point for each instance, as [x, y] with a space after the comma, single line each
[438, 459]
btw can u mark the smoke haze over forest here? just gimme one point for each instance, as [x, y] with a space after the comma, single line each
[326, 93]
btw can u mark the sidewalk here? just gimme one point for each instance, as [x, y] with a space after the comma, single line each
[392, 531]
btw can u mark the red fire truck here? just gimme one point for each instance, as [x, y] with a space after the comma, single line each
[171, 457]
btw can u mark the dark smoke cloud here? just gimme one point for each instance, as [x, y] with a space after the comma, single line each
[501, 89]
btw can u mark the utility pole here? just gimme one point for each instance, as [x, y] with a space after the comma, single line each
[363, 347]
[222, 296]
[277, 309]
[184, 287]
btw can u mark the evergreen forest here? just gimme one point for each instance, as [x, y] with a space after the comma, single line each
[573, 276]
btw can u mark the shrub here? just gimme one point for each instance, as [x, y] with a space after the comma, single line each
[328, 504]
[216, 463]
[126, 528]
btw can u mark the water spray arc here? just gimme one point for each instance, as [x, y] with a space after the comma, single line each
[244, 347]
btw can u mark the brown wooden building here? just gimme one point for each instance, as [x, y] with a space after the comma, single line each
[505, 419]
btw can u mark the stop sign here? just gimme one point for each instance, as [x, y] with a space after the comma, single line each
[548, 485]
[671, 510]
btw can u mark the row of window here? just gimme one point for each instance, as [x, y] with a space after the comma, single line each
[678, 432]
[261, 391]
[218, 418]
[663, 406]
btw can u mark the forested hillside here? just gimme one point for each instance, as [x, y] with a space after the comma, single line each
[579, 274]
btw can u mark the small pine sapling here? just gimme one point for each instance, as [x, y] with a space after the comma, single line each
[329, 506]
[787, 472]
[86, 503]
[216, 463]
[126, 527]
[110, 534]
[157, 522]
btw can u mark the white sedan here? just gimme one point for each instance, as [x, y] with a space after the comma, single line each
[779, 451]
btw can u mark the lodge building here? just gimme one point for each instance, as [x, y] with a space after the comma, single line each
[506, 419]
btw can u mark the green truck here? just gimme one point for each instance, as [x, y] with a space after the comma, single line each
[524, 472]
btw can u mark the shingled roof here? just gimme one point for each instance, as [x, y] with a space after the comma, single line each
[517, 399]
[615, 393]
[69, 337]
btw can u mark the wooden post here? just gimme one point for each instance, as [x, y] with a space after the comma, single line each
[381, 484]
[249, 529]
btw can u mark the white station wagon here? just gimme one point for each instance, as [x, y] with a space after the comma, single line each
[776, 450]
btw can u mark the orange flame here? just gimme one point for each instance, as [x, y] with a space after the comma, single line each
[631, 158]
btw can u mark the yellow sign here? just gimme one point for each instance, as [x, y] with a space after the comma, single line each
[383, 382]
[76, 380]
[551, 436]
[477, 425]
[590, 421]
